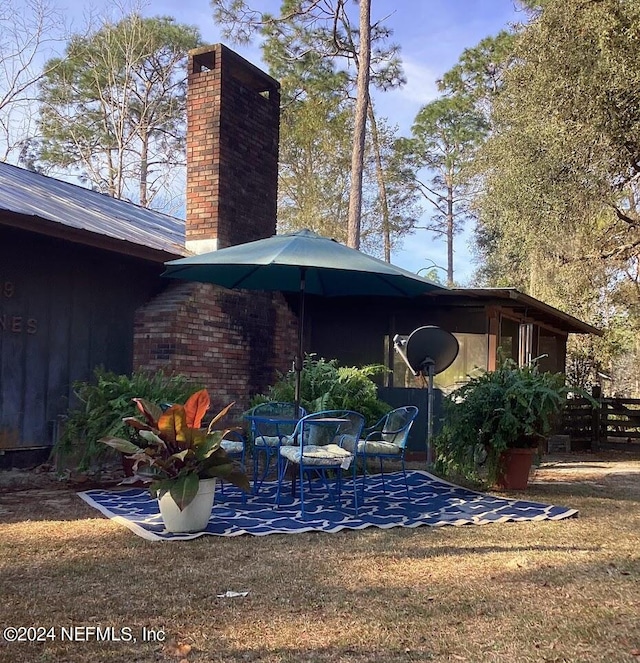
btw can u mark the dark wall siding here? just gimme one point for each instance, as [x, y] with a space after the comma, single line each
[349, 329]
[64, 310]
[470, 320]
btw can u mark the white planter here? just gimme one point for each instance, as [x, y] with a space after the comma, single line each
[195, 516]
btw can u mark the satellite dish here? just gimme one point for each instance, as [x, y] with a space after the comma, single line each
[431, 345]
[428, 351]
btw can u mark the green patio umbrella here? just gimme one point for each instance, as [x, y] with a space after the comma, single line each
[303, 262]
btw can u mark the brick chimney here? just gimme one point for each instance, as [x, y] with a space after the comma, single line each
[234, 342]
[233, 111]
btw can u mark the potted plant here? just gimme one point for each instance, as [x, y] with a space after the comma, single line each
[180, 461]
[496, 422]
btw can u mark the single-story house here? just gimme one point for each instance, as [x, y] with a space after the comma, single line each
[81, 285]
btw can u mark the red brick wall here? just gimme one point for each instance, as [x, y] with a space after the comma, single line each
[232, 342]
[232, 149]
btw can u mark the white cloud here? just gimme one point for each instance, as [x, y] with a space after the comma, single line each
[401, 105]
[421, 85]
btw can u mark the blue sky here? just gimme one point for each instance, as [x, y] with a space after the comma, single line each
[432, 35]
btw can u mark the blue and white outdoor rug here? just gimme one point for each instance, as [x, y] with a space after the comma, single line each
[433, 502]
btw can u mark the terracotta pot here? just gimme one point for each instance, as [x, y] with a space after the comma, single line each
[515, 465]
[195, 516]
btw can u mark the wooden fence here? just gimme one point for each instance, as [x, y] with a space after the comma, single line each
[615, 423]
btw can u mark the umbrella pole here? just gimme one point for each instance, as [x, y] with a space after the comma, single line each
[298, 361]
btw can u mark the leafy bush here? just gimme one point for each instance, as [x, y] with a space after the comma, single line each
[104, 402]
[509, 407]
[326, 386]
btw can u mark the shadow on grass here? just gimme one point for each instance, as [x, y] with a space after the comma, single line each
[624, 487]
[121, 588]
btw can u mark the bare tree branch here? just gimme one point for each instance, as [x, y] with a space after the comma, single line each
[29, 32]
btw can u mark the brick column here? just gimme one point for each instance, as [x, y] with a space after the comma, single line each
[232, 150]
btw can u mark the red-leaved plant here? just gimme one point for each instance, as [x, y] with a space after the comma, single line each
[178, 452]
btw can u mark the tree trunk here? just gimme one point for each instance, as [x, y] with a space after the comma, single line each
[382, 185]
[450, 227]
[111, 174]
[360, 126]
[144, 167]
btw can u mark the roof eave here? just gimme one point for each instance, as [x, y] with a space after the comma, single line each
[54, 229]
[573, 325]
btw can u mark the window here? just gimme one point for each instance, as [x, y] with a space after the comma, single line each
[526, 347]
[472, 356]
[509, 336]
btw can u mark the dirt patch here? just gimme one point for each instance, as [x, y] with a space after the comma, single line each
[46, 476]
[43, 494]
[41, 477]
[60, 503]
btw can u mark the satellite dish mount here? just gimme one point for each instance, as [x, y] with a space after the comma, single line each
[427, 351]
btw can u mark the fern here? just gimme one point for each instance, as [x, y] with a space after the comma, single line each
[325, 385]
[510, 407]
[103, 401]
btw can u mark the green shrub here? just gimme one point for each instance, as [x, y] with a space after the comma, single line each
[513, 406]
[103, 402]
[325, 385]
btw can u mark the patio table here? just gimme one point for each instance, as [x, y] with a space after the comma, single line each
[276, 426]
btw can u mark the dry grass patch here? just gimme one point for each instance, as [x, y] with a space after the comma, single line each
[509, 593]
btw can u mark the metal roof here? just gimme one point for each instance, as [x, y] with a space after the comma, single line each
[525, 304]
[30, 194]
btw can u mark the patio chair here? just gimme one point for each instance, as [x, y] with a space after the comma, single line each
[318, 451]
[386, 440]
[271, 425]
[235, 444]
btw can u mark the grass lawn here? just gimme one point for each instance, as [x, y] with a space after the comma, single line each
[536, 592]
